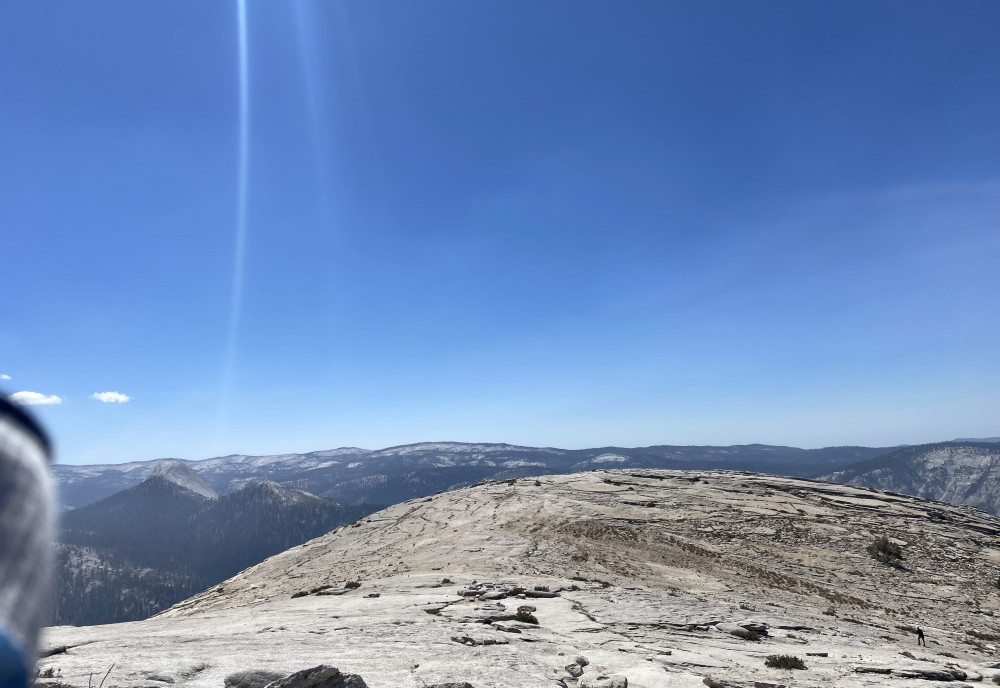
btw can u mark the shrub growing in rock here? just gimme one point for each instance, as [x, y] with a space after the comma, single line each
[352, 585]
[886, 551]
[526, 617]
[747, 635]
[784, 662]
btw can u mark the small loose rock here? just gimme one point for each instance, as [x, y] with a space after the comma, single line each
[601, 681]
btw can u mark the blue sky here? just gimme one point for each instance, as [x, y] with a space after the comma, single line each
[551, 223]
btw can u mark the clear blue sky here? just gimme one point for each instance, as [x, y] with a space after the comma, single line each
[552, 223]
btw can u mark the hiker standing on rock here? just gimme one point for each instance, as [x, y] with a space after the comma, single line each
[920, 637]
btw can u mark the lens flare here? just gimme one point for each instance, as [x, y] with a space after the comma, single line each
[242, 177]
[309, 60]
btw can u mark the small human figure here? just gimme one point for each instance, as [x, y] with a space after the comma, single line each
[920, 637]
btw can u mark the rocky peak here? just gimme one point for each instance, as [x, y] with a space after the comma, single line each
[180, 474]
[282, 494]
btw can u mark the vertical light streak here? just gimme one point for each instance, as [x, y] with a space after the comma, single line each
[242, 170]
[309, 59]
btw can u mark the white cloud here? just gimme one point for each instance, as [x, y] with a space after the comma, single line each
[4, 377]
[111, 397]
[34, 399]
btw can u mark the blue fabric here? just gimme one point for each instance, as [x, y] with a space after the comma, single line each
[13, 672]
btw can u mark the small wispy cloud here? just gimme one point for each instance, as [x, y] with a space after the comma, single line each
[34, 399]
[111, 397]
[4, 377]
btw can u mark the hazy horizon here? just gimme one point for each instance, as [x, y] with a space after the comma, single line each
[514, 444]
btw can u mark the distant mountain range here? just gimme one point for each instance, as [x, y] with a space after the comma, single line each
[144, 548]
[387, 476]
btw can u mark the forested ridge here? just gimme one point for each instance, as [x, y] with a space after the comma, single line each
[149, 547]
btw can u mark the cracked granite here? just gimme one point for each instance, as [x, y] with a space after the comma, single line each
[644, 575]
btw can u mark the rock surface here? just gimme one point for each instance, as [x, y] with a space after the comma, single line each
[644, 567]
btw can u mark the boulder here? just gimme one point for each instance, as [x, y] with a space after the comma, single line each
[942, 674]
[493, 595]
[726, 627]
[506, 629]
[714, 683]
[477, 642]
[252, 678]
[322, 676]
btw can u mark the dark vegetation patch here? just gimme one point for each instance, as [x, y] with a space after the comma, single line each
[526, 617]
[784, 662]
[886, 551]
